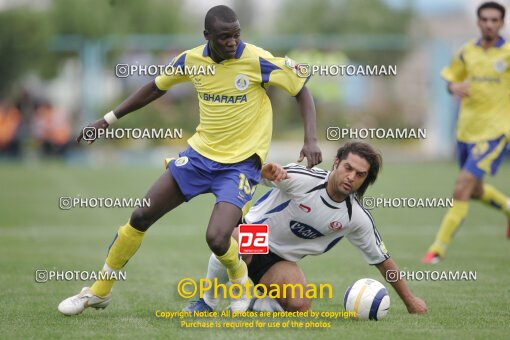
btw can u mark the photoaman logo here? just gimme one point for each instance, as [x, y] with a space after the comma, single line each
[253, 239]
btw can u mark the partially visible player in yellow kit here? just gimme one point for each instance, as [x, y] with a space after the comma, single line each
[224, 156]
[480, 75]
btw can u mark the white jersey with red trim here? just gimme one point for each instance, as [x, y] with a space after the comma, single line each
[303, 220]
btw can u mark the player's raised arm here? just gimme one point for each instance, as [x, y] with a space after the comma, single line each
[414, 304]
[139, 99]
[310, 148]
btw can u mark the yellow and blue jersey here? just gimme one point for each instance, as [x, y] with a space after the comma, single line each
[235, 111]
[485, 113]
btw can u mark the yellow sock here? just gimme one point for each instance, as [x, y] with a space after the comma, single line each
[124, 246]
[449, 226]
[236, 268]
[496, 199]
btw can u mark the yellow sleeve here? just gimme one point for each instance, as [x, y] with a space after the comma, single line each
[456, 71]
[172, 76]
[282, 72]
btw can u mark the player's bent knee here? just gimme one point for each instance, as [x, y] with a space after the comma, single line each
[478, 191]
[141, 219]
[218, 243]
[462, 191]
[458, 195]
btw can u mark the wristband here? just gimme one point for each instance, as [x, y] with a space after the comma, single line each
[110, 118]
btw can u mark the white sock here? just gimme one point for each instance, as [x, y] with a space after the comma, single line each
[266, 304]
[215, 270]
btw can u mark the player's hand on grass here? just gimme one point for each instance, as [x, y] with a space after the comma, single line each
[459, 89]
[274, 172]
[417, 306]
[89, 133]
[312, 153]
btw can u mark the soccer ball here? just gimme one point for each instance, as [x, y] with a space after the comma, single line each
[367, 298]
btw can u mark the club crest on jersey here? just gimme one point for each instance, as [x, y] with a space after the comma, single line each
[500, 65]
[181, 161]
[305, 208]
[335, 225]
[305, 231]
[241, 82]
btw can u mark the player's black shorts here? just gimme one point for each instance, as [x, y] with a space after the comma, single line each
[260, 264]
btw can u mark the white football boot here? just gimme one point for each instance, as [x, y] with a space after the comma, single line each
[76, 304]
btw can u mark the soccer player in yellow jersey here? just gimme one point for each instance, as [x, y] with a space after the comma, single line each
[225, 154]
[480, 75]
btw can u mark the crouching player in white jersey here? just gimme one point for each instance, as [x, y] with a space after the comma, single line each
[309, 211]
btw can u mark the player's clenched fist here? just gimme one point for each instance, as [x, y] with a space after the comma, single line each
[89, 133]
[274, 172]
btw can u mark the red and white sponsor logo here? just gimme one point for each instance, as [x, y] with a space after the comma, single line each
[305, 208]
[335, 225]
[253, 239]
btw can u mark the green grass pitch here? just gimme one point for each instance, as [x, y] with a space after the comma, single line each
[35, 234]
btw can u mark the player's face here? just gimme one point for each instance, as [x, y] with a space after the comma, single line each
[224, 37]
[347, 176]
[490, 22]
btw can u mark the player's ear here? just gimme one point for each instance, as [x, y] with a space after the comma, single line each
[207, 35]
[336, 164]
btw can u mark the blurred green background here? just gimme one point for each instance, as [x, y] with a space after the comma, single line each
[59, 63]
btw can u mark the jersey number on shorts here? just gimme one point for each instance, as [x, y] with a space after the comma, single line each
[244, 184]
